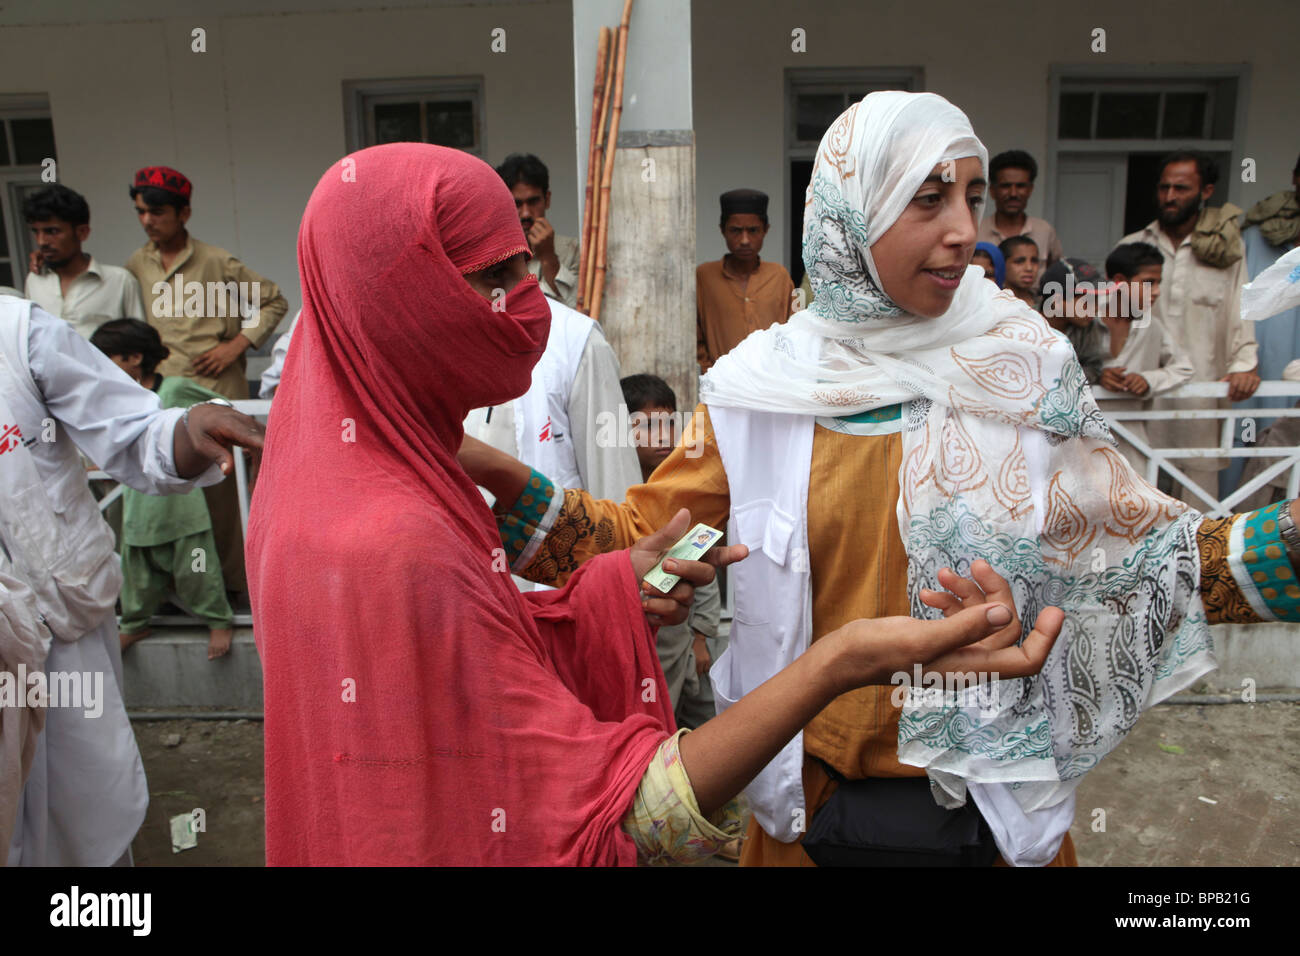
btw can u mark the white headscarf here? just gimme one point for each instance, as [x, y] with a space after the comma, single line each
[854, 349]
[1005, 457]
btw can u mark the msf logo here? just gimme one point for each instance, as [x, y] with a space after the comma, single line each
[548, 432]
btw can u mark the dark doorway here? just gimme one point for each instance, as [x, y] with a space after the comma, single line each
[800, 176]
[1140, 194]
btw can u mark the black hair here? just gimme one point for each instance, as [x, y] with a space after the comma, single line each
[1012, 159]
[131, 337]
[1127, 259]
[1007, 246]
[647, 391]
[153, 196]
[56, 202]
[1206, 167]
[1296, 171]
[525, 168]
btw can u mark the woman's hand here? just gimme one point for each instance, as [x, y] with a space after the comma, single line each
[981, 636]
[724, 754]
[671, 608]
[968, 643]
[977, 635]
[983, 586]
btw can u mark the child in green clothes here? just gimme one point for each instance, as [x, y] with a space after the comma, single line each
[167, 540]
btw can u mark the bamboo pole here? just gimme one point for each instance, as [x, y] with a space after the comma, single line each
[598, 164]
[597, 97]
[602, 242]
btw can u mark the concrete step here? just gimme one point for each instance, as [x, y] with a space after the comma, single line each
[1267, 655]
[170, 669]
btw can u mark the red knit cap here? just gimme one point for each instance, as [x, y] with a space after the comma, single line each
[164, 178]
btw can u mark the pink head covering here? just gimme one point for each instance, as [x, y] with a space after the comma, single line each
[418, 709]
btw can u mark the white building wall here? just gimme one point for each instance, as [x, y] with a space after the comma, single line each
[255, 120]
[990, 59]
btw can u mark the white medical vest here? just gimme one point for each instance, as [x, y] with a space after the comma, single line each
[56, 539]
[768, 458]
[541, 414]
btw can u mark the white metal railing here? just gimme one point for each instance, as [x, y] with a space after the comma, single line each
[257, 408]
[1159, 459]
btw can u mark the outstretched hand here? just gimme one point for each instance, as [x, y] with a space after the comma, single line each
[998, 651]
[671, 608]
[978, 636]
[966, 644]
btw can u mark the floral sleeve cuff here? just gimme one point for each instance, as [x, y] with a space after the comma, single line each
[1260, 564]
[524, 526]
[665, 821]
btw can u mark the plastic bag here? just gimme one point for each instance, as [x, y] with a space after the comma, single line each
[1274, 290]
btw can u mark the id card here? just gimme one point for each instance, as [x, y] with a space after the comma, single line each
[690, 547]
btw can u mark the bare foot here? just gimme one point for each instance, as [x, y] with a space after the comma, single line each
[128, 639]
[219, 642]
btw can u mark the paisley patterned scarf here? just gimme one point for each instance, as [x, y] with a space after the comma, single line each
[1005, 457]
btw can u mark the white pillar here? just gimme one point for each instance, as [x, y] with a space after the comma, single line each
[648, 313]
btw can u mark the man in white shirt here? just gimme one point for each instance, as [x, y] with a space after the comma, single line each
[72, 785]
[1200, 306]
[553, 427]
[65, 281]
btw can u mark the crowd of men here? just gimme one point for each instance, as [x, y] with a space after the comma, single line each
[1177, 319]
[208, 308]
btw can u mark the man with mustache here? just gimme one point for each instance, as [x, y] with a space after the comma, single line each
[1012, 175]
[1200, 305]
[555, 258]
[65, 280]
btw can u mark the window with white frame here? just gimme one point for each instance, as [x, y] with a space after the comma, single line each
[1109, 130]
[446, 112]
[1152, 110]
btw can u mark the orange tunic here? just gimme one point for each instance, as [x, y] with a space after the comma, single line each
[728, 308]
[858, 568]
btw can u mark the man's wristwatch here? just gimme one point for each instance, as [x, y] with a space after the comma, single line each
[1290, 534]
[185, 419]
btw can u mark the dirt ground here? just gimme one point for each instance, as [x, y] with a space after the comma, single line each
[217, 767]
[1245, 757]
